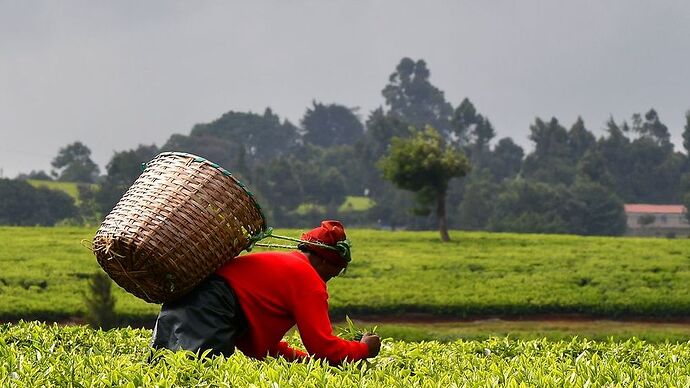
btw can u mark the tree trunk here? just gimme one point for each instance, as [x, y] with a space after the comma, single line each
[441, 215]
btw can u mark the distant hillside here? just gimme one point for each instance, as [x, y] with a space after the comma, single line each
[356, 204]
[68, 187]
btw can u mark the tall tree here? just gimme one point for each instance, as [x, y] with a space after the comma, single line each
[506, 159]
[424, 164]
[263, 136]
[412, 98]
[472, 131]
[551, 160]
[580, 140]
[74, 164]
[651, 127]
[125, 166]
[592, 167]
[329, 125]
[464, 118]
[686, 134]
[614, 149]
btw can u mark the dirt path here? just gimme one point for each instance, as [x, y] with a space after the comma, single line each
[430, 319]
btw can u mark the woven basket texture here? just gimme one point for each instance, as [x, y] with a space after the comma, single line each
[180, 220]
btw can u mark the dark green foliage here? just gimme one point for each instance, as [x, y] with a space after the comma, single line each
[331, 125]
[22, 204]
[600, 210]
[644, 169]
[652, 128]
[551, 160]
[75, 165]
[38, 175]
[100, 303]
[126, 166]
[123, 169]
[225, 152]
[288, 181]
[686, 134]
[381, 129]
[392, 208]
[464, 118]
[472, 132]
[580, 140]
[585, 208]
[592, 167]
[478, 202]
[506, 159]
[263, 137]
[531, 206]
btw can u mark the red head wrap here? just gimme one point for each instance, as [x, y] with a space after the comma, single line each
[329, 233]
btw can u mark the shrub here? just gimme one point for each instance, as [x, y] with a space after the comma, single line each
[100, 302]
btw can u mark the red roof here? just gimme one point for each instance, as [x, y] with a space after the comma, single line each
[646, 208]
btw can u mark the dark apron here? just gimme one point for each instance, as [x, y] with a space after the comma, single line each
[208, 317]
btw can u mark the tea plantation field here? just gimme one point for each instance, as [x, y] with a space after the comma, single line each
[49, 355]
[44, 271]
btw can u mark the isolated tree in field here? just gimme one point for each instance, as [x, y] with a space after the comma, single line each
[331, 125]
[412, 98]
[74, 164]
[424, 165]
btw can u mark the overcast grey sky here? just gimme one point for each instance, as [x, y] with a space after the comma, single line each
[117, 74]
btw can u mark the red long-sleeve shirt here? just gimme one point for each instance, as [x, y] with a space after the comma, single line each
[277, 290]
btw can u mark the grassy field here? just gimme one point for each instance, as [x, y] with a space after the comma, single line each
[49, 355]
[68, 187]
[43, 272]
[356, 204]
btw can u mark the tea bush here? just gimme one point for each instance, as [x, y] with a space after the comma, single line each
[34, 354]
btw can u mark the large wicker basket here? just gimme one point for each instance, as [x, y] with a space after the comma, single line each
[181, 219]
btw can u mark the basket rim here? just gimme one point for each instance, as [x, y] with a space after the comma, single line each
[200, 159]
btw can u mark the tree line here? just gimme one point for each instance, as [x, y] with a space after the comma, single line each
[423, 162]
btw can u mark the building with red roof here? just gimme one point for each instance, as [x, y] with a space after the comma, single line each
[656, 220]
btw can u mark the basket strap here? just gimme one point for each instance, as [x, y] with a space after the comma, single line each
[342, 247]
